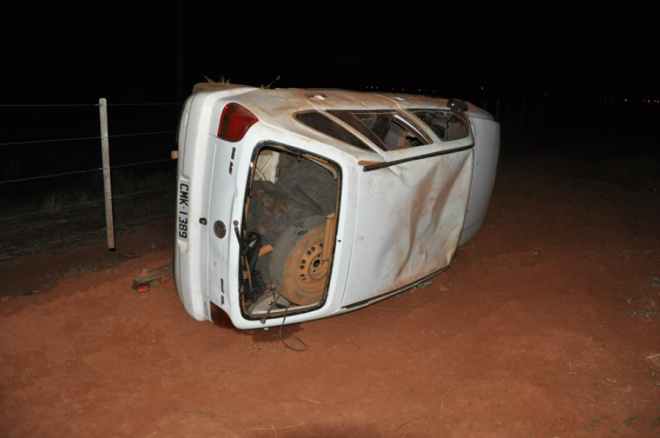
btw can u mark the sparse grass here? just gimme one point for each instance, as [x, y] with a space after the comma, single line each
[628, 421]
[87, 268]
[222, 80]
[82, 195]
[267, 87]
[593, 423]
[74, 272]
[225, 81]
[52, 202]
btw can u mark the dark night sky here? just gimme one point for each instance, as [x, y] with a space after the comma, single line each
[65, 54]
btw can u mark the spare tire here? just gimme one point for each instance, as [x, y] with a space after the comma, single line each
[296, 265]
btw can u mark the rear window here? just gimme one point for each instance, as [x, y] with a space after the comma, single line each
[447, 125]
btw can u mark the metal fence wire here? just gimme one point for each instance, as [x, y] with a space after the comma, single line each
[70, 184]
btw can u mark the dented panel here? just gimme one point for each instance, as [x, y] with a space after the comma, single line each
[416, 232]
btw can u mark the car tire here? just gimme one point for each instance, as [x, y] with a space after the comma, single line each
[296, 265]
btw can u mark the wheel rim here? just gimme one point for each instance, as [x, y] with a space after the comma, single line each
[311, 269]
[297, 264]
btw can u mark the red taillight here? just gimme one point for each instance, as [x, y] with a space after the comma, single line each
[220, 317]
[235, 122]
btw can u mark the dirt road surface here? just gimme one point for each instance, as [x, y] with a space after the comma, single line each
[547, 324]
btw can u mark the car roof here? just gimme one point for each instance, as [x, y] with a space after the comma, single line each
[274, 106]
[323, 98]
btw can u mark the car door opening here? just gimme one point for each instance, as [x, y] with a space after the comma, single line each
[290, 217]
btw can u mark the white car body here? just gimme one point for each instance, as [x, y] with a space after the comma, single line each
[381, 211]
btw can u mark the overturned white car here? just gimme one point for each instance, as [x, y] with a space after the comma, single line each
[298, 204]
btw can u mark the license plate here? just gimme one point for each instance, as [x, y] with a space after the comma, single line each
[182, 209]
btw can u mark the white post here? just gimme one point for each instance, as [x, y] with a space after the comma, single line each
[105, 152]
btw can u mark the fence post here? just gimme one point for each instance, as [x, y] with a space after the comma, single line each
[107, 186]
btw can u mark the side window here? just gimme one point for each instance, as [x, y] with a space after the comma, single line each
[447, 125]
[387, 129]
[324, 124]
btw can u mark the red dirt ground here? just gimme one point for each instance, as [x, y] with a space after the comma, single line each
[546, 325]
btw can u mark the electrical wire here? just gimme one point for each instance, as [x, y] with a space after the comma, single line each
[291, 335]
